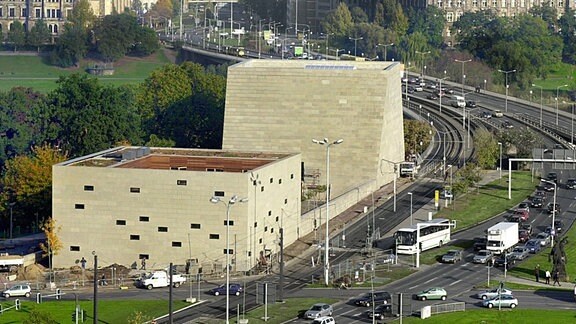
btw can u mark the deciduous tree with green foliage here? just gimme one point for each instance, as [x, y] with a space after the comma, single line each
[116, 35]
[16, 35]
[486, 149]
[339, 22]
[39, 35]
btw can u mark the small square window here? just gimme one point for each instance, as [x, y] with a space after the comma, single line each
[79, 206]
[231, 223]
[134, 190]
[162, 229]
[271, 180]
[291, 175]
[144, 218]
[272, 230]
[279, 181]
[269, 213]
[120, 222]
[88, 188]
[230, 251]
[214, 236]
[277, 218]
[255, 224]
[181, 182]
[262, 189]
[143, 256]
[74, 248]
[286, 201]
[249, 253]
[265, 228]
[176, 244]
[218, 193]
[260, 241]
[134, 237]
[195, 226]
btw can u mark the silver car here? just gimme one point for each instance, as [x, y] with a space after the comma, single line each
[319, 310]
[490, 294]
[483, 256]
[520, 253]
[544, 238]
[452, 256]
[501, 301]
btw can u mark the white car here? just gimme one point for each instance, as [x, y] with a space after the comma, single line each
[18, 290]
[489, 294]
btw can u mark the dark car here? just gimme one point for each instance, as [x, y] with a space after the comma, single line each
[377, 297]
[485, 115]
[523, 236]
[558, 225]
[552, 176]
[479, 243]
[432, 96]
[526, 227]
[548, 186]
[470, 103]
[235, 289]
[537, 202]
[505, 259]
[523, 214]
[507, 124]
[533, 246]
[540, 194]
[381, 311]
[571, 184]
[551, 208]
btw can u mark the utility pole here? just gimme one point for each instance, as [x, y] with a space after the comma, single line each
[281, 293]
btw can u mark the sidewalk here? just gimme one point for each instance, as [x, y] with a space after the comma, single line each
[541, 283]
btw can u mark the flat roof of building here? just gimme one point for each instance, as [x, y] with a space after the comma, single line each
[321, 65]
[158, 158]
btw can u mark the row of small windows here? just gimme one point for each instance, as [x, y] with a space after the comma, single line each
[50, 13]
[484, 3]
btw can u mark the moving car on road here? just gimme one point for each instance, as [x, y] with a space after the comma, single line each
[324, 320]
[452, 256]
[18, 290]
[319, 310]
[489, 294]
[533, 246]
[501, 301]
[377, 297]
[544, 238]
[571, 183]
[235, 289]
[380, 312]
[432, 293]
[506, 260]
[483, 256]
[520, 253]
[537, 202]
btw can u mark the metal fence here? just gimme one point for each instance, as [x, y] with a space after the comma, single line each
[448, 308]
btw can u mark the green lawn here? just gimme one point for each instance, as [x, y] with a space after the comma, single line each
[281, 312]
[109, 311]
[32, 71]
[507, 316]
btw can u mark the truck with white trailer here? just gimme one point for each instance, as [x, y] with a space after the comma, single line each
[158, 279]
[10, 262]
[502, 237]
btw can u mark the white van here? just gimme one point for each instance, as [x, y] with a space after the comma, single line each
[324, 320]
[458, 102]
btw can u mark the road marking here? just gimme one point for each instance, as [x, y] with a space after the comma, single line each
[430, 280]
[410, 288]
[455, 282]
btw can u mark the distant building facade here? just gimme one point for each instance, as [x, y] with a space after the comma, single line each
[132, 203]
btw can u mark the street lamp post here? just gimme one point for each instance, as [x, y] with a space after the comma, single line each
[541, 103]
[557, 91]
[327, 45]
[234, 199]
[11, 205]
[385, 49]
[500, 145]
[355, 43]
[411, 222]
[327, 239]
[463, 62]
[422, 59]
[506, 101]
[440, 92]
[553, 228]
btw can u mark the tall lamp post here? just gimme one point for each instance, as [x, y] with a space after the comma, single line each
[506, 101]
[500, 145]
[11, 206]
[233, 200]
[557, 92]
[463, 62]
[422, 59]
[326, 142]
[385, 49]
[440, 92]
[355, 43]
[553, 228]
[410, 194]
[95, 310]
[541, 103]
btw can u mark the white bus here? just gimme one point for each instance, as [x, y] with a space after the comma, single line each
[408, 169]
[432, 234]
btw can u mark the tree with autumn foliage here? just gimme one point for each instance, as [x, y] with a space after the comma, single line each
[53, 245]
[26, 183]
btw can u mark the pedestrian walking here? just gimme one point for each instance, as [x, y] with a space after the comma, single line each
[537, 273]
[83, 263]
[143, 264]
[556, 277]
[103, 281]
[548, 275]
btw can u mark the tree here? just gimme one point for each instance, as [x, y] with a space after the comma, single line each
[567, 25]
[82, 15]
[520, 141]
[486, 148]
[16, 35]
[391, 16]
[29, 180]
[93, 117]
[115, 35]
[146, 42]
[71, 46]
[39, 35]
[430, 22]
[53, 244]
[547, 13]
[358, 15]
[339, 22]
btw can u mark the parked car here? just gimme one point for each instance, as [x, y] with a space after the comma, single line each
[378, 297]
[571, 183]
[533, 246]
[520, 253]
[319, 310]
[479, 243]
[452, 256]
[544, 238]
[483, 256]
[504, 260]
[17, 290]
[324, 320]
[523, 206]
[551, 208]
[537, 202]
[235, 289]
[380, 312]
[432, 293]
[489, 294]
[501, 301]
